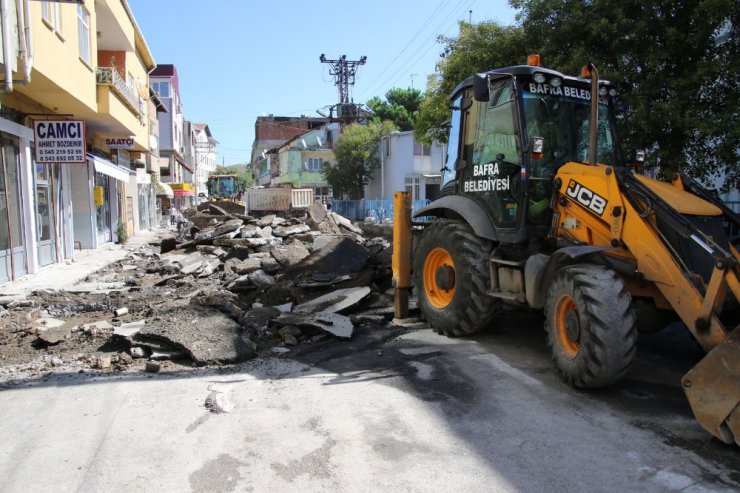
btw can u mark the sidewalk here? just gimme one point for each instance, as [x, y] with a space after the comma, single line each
[66, 274]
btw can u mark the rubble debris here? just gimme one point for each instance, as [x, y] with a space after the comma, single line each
[152, 367]
[225, 286]
[129, 329]
[217, 402]
[119, 312]
[333, 302]
[54, 335]
[333, 323]
[207, 336]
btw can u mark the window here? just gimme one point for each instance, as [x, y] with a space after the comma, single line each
[412, 185]
[421, 149]
[453, 146]
[83, 32]
[314, 164]
[51, 16]
[161, 88]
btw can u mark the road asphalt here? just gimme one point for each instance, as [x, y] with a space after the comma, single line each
[393, 409]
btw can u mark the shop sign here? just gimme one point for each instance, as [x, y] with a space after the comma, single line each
[60, 141]
[120, 143]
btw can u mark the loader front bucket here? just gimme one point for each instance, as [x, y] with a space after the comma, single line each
[713, 389]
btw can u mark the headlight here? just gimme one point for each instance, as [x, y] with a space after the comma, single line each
[556, 82]
[539, 78]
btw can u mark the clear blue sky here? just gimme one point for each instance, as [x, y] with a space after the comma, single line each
[241, 59]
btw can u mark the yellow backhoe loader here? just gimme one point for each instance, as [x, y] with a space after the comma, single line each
[539, 208]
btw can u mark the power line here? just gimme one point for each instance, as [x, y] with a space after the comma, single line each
[413, 55]
[410, 42]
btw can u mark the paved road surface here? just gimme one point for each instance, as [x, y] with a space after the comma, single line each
[391, 410]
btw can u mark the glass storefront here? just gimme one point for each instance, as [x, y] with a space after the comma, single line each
[103, 211]
[12, 251]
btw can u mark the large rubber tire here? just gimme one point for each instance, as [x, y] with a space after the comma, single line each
[465, 308]
[590, 326]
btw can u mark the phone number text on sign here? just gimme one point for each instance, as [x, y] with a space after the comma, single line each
[60, 141]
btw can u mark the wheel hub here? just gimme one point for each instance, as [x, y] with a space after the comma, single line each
[573, 326]
[445, 277]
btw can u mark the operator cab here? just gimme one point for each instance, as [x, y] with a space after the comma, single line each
[511, 130]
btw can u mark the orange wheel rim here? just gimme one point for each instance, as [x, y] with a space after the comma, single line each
[438, 293]
[567, 326]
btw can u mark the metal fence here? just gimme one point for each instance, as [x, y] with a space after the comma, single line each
[375, 211]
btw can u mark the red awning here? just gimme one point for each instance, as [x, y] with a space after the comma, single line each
[183, 193]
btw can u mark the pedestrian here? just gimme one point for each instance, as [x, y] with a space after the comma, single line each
[173, 215]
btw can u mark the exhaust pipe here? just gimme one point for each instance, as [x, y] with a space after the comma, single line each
[594, 129]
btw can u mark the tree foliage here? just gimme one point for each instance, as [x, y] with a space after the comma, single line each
[401, 106]
[356, 153]
[477, 48]
[681, 85]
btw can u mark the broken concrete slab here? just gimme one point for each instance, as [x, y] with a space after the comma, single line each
[248, 231]
[344, 223]
[290, 254]
[284, 231]
[266, 220]
[317, 212]
[332, 323]
[249, 242]
[265, 232]
[222, 229]
[55, 335]
[338, 256]
[334, 302]
[129, 329]
[257, 320]
[207, 335]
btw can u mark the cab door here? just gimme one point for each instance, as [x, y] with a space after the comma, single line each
[493, 171]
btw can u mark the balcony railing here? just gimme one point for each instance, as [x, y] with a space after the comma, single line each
[109, 76]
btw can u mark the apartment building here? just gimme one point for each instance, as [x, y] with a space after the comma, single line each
[81, 65]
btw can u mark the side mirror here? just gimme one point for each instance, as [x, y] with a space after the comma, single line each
[480, 88]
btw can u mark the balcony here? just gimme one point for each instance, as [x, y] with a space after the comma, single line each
[108, 76]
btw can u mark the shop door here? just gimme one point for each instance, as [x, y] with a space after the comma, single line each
[45, 209]
[103, 211]
[12, 251]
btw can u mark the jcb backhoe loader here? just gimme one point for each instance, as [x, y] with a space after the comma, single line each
[539, 208]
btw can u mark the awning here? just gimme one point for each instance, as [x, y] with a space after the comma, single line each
[163, 189]
[108, 168]
[184, 193]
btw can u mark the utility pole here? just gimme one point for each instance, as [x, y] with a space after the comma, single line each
[412, 81]
[470, 17]
[344, 72]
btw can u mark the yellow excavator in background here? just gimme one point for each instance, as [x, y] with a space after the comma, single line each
[225, 191]
[539, 208]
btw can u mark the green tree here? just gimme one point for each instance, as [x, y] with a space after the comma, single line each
[678, 76]
[477, 48]
[401, 106]
[681, 82]
[356, 153]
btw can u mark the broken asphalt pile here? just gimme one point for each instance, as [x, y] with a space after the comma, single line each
[227, 288]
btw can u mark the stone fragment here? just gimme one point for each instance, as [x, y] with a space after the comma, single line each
[290, 254]
[284, 231]
[55, 335]
[265, 220]
[261, 279]
[248, 242]
[344, 222]
[103, 362]
[137, 352]
[129, 329]
[248, 231]
[218, 402]
[152, 367]
[119, 312]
